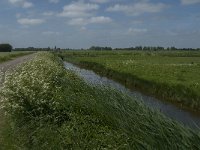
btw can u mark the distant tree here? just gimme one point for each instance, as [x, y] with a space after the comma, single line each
[157, 48]
[173, 48]
[98, 48]
[5, 48]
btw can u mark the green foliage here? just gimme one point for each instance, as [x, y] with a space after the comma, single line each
[5, 48]
[5, 56]
[97, 117]
[34, 90]
[172, 76]
[98, 48]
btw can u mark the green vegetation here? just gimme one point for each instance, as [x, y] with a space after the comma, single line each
[5, 56]
[48, 107]
[171, 76]
[5, 48]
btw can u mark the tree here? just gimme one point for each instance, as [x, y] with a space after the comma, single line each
[100, 48]
[5, 48]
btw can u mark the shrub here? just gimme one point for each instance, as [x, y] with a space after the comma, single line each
[5, 48]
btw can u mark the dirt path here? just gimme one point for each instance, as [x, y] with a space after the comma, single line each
[13, 63]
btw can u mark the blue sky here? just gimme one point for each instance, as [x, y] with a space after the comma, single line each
[115, 23]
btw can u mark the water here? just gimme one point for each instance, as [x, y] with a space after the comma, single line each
[180, 115]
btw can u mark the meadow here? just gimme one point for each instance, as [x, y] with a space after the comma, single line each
[49, 107]
[172, 76]
[5, 56]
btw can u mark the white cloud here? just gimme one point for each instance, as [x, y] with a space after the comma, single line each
[137, 8]
[27, 21]
[78, 21]
[189, 2]
[49, 13]
[92, 20]
[100, 1]
[27, 4]
[54, 1]
[21, 3]
[118, 7]
[78, 9]
[15, 1]
[100, 19]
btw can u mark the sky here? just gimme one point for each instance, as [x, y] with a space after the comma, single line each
[85, 23]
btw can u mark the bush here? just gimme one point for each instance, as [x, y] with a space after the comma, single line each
[5, 48]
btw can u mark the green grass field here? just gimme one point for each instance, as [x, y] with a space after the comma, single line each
[171, 76]
[5, 56]
[49, 107]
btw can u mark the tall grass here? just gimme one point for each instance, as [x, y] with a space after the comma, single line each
[171, 76]
[5, 56]
[48, 107]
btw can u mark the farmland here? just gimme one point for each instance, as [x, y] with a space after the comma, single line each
[5, 56]
[171, 76]
[49, 107]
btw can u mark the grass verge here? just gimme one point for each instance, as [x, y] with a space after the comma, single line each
[5, 56]
[168, 76]
[48, 107]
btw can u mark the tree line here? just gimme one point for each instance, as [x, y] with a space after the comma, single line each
[143, 48]
[100, 48]
[5, 48]
[8, 48]
[156, 48]
[37, 49]
[32, 49]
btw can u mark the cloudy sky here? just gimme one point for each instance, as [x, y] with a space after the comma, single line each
[116, 23]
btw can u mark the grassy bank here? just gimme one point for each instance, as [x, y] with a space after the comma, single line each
[171, 76]
[5, 56]
[49, 107]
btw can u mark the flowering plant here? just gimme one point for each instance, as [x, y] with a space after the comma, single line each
[35, 89]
